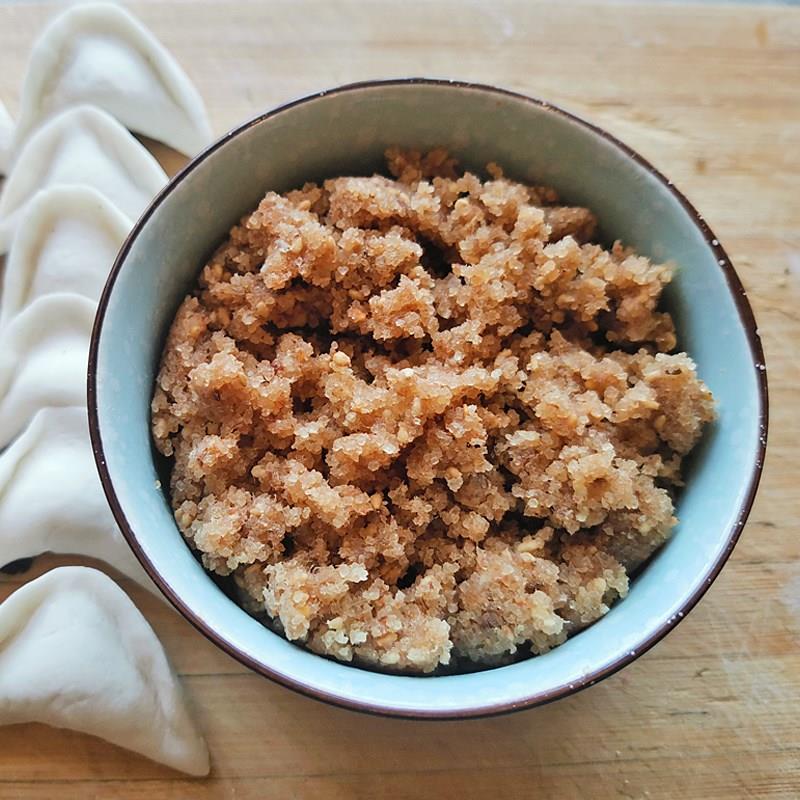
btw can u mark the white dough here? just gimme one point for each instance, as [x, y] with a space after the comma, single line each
[76, 653]
[82, 145]
[51, 499]
[43, 359]
[6, 137]
[67, 243]
[98, 53]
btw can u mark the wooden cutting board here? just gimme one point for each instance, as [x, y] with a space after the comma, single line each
[711, 95]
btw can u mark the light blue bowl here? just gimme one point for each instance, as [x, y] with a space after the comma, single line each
[343, 132]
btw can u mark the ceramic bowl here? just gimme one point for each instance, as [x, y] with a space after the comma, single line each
[343, 132]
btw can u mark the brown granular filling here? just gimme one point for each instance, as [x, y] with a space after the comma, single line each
[425, 420]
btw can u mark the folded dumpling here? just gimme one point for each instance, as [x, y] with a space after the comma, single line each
[51, 499]
[6, 137]
[76, 653]
[99, 54]
[82, 145]
[43, 359]
[67, 243]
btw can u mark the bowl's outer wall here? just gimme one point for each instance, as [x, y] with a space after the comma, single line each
[346, 133]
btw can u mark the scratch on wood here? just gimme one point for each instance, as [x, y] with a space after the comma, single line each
[762, 33]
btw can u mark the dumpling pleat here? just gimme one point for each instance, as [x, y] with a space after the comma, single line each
[76, 653]
[99, 54]
[82, 145]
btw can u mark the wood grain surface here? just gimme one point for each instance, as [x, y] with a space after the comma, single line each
[711, 95]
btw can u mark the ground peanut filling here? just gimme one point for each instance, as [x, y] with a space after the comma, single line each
[424, 420]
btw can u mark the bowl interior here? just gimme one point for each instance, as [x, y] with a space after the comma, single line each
[346, 132]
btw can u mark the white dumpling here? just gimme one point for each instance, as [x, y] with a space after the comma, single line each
[82, 145]
[67, 243]
[76, 653]
[99, 54]
[6, 137]
[43, 359]
[51, 499]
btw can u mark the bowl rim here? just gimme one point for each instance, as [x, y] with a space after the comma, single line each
[468, 710]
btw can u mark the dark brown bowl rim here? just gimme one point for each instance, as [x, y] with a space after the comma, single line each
[538, 698]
